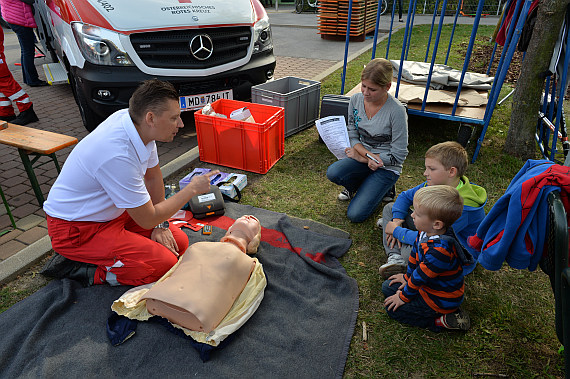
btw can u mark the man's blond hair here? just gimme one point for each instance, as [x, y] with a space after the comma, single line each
[450, 154]
[440, 202]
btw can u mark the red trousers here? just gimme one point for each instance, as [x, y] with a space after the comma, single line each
[122, 250]
[10, 90]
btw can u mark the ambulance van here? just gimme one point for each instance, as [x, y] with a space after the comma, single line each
[208, 49]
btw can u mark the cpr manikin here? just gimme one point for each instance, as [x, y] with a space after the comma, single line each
[200, 290]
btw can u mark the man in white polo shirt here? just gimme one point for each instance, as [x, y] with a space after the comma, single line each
[107, 208]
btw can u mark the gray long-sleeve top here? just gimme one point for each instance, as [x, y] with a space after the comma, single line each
[386, 134]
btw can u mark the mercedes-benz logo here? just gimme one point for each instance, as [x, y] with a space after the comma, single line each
[201, 47]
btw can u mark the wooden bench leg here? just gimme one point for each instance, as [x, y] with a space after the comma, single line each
[7, 209]
[54, 159]
[32, 176]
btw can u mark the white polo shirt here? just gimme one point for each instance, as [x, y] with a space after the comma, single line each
[104, 174]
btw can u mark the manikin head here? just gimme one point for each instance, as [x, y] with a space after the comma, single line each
[245, 233]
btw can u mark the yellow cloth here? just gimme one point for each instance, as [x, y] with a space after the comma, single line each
[130, 305]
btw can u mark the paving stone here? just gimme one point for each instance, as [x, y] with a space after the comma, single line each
[7, 165]
[21, 199]
[32, 235]
[9, 173]
[5, 222]
[17, 189]
[10, 236]
[25, 210]
[28, 222]
[14, 181]
[10, 248]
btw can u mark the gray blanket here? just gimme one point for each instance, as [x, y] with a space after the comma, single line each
[302, 328]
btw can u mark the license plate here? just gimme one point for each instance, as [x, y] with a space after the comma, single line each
[191, 102]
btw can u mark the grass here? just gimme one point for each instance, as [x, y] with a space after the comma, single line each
[512, 311]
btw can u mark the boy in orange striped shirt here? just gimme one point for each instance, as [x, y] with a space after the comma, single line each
[430, 292]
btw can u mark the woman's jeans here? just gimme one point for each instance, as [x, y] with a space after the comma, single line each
[27, 40]
[370, 186]
[415, 313]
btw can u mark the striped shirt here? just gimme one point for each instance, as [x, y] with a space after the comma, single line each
[435, 272]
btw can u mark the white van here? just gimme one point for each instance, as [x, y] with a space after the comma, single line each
[209, 49]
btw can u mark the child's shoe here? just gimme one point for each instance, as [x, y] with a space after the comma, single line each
[458, 320]
[395, 265]
[380, 223]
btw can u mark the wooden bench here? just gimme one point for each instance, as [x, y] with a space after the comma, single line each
[36, 143]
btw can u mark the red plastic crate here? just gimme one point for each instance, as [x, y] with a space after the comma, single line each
[243, 145]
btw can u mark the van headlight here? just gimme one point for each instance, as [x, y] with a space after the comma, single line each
[100, 46]
[262, 35]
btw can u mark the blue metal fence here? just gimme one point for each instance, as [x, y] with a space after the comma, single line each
[554, 113]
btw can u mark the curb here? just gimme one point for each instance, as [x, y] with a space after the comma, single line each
[15, 265]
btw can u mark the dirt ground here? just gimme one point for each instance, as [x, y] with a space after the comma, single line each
[29, 280]
[481, 55]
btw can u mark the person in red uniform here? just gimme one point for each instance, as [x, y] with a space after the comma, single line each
[12, 93]
[106, 212]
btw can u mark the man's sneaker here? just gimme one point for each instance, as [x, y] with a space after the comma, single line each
[455, 321]
[390, 195]
[395, 265]
[346, 195]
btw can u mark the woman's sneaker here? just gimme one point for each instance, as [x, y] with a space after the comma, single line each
[346, 195]
[395, 265]
[458, 320]
[390, 195]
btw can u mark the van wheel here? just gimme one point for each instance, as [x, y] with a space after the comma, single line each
[90, 119]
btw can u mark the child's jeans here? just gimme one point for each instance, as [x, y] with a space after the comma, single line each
[415, 313]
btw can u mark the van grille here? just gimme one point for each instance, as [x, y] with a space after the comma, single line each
[171, 48]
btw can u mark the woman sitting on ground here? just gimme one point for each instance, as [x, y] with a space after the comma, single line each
[378, 132]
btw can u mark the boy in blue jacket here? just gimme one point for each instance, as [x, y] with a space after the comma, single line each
[431, 291]
[445, 164]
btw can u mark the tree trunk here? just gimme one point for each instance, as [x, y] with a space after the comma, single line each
[530, 84]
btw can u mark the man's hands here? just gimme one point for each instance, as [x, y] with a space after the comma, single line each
[389, 229]
[198, 185]
[201, 183]
[150, 214]
[166, 239]
[393, 302]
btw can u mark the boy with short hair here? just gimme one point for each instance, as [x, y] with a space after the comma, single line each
[445, 164]
[431, 291]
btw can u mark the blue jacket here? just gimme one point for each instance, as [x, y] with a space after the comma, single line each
[474, 198]
[516, 228]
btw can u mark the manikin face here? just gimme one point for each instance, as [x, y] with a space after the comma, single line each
[168, 122]
[246, 226]
[436, 173]
[372, 92]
